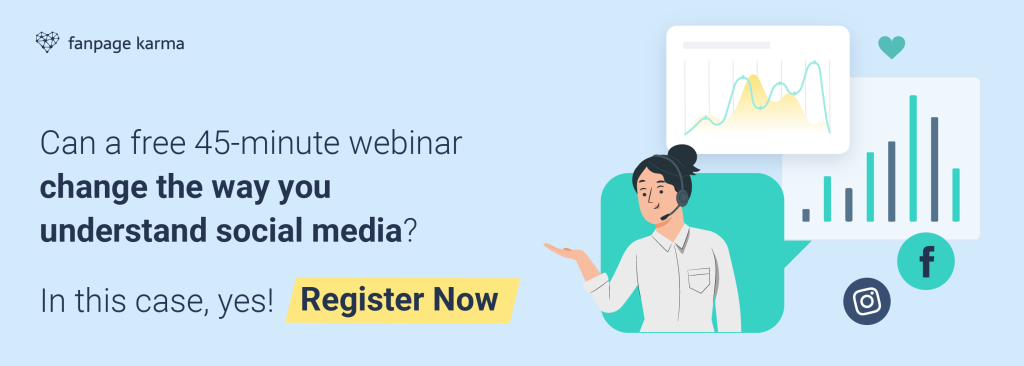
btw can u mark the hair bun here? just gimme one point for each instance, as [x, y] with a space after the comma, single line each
[686, 155]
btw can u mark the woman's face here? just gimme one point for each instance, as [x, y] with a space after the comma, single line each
[656, 197]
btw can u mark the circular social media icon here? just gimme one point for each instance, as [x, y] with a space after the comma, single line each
[866, 301]
[925, 261]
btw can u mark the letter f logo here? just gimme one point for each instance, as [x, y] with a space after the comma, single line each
[927, 258]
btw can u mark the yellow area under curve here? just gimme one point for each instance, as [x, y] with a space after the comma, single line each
[784, 115]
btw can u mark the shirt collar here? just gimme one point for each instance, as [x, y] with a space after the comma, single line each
[667, 244]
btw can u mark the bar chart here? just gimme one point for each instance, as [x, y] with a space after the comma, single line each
[917, 140]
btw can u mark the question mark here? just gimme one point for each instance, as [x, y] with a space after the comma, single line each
[413, 225]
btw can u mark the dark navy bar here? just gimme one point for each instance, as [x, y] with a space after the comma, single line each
[807, 215]
[849, 204]
[892, 181]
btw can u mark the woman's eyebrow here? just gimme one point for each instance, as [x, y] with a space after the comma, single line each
[642, 189]
[660, 181]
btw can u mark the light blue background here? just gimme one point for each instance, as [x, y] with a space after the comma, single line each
[552, 98]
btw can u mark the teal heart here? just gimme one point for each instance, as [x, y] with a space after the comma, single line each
[891, 47]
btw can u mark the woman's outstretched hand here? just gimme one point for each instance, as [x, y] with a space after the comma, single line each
[566, 252]
[587, 267]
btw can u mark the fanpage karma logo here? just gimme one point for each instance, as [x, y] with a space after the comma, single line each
[47, 40]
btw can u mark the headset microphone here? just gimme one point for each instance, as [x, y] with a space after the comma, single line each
[663, 218]
[682, 196]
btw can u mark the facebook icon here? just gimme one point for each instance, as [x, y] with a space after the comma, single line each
[927, 258]
[926, 261]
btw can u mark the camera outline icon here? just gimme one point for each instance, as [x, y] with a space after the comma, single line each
[876, 301]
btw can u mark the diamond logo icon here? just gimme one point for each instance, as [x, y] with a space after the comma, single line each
[47, 40]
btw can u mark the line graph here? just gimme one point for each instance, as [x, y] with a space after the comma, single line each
[749, 86]
[802, 107]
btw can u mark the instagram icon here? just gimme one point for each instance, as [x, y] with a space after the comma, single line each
[866, 301]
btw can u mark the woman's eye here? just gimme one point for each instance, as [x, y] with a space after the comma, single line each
[645, 194]
[661, 191]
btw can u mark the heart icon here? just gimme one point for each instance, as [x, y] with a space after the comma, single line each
[47, 40]
[891, 47]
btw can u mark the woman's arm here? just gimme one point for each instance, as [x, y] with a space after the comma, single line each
[609, 295]
[727, 299]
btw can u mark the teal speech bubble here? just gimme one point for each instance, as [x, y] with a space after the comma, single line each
[744, 209]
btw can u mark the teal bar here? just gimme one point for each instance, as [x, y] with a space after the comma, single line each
[956, 195]
[828, 199]
[913, 159]
[871, 187]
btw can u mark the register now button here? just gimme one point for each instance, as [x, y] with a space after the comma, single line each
[402, 300]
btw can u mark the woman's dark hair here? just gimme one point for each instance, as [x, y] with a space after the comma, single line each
[683, 155]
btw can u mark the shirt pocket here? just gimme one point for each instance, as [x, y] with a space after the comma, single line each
[699, 279]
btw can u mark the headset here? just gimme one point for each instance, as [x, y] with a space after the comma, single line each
[682, 196]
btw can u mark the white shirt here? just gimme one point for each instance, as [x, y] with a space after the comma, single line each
[680, 282]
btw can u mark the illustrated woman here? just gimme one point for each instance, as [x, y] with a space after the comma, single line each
[683, 272]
